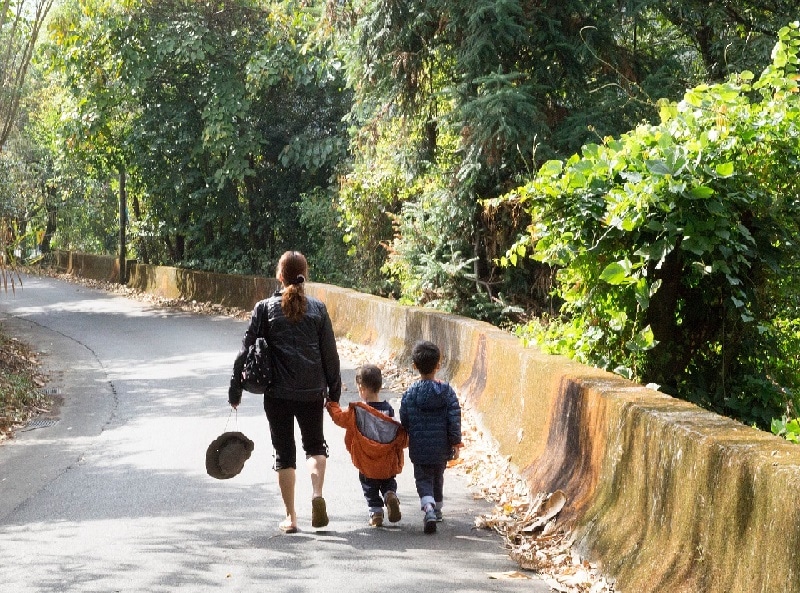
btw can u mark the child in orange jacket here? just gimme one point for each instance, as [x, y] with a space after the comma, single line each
[375, 442]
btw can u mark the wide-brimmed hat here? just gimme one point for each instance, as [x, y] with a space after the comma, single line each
[226, 455]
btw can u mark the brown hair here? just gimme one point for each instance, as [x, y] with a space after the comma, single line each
[369, 375]
[292, 271]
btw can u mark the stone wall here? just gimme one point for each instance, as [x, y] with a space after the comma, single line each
[668, 497]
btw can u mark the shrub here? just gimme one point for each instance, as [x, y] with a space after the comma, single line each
[677, 245]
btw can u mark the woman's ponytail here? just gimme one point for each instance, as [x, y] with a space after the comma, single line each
[292, 271]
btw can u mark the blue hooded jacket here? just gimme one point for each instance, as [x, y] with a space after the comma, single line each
[431, 414]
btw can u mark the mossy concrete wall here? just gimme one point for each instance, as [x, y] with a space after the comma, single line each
[223, 289]
[96, 267]
[668, 497]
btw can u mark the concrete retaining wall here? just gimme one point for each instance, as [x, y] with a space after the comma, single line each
[669, 497]
[96, 267]
[230, 291]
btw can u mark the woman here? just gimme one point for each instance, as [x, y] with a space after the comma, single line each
[306, 371]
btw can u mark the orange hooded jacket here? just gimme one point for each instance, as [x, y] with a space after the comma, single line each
[375, 441]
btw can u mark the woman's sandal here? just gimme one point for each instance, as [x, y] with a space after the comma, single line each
[319, 515]
[287, 527]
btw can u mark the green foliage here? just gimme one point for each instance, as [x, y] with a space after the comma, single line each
[220, 115]
[676, 244]
[728, 37]
[431, 268]
[20, 23]
[787, 428]
[369, 194]
[454, 101]
[324, 244]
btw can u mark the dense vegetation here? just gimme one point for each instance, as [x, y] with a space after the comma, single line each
[614, 180]
[677, 244]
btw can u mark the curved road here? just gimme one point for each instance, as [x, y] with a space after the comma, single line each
[114, 495]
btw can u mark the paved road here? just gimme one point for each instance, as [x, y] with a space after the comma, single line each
[114, 496]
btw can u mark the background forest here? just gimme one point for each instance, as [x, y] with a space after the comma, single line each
[611, 180]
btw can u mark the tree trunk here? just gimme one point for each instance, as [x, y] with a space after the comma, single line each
[123, 222]
[51, 223]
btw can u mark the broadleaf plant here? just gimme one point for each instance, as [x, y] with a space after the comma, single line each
[677, 245]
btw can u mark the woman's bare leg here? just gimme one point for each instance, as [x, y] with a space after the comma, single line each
[286, 482]
[316, 467]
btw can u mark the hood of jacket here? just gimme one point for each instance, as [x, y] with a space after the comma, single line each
[377, 452]
[429, 395]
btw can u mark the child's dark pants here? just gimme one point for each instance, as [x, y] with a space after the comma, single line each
[375, 490]
[430, 482]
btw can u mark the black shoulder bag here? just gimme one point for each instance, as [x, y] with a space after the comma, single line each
[257, 372]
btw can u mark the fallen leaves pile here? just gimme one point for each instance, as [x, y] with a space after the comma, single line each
[528, 523]
[20, 380]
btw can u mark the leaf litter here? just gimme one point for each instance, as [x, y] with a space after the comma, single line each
[21, 380]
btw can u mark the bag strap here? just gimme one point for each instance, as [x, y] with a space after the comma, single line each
[264, 321]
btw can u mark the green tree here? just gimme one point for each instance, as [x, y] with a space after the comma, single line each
[20, 23]
[222, 116]
[468, 97]
[515, 84]
[728, 37]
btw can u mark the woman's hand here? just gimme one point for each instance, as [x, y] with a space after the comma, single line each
[234, 395]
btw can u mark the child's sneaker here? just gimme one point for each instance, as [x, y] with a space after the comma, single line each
[393, 506]
[376, 518]
[439, 517]
[430, 521]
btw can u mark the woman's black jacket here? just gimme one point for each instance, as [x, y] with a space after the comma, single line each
[304, 355]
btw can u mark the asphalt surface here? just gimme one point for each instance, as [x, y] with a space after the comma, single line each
[113, 496]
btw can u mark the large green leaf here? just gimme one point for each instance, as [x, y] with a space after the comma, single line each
[618, 273]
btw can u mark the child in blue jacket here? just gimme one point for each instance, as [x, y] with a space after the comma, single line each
[430, 412]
